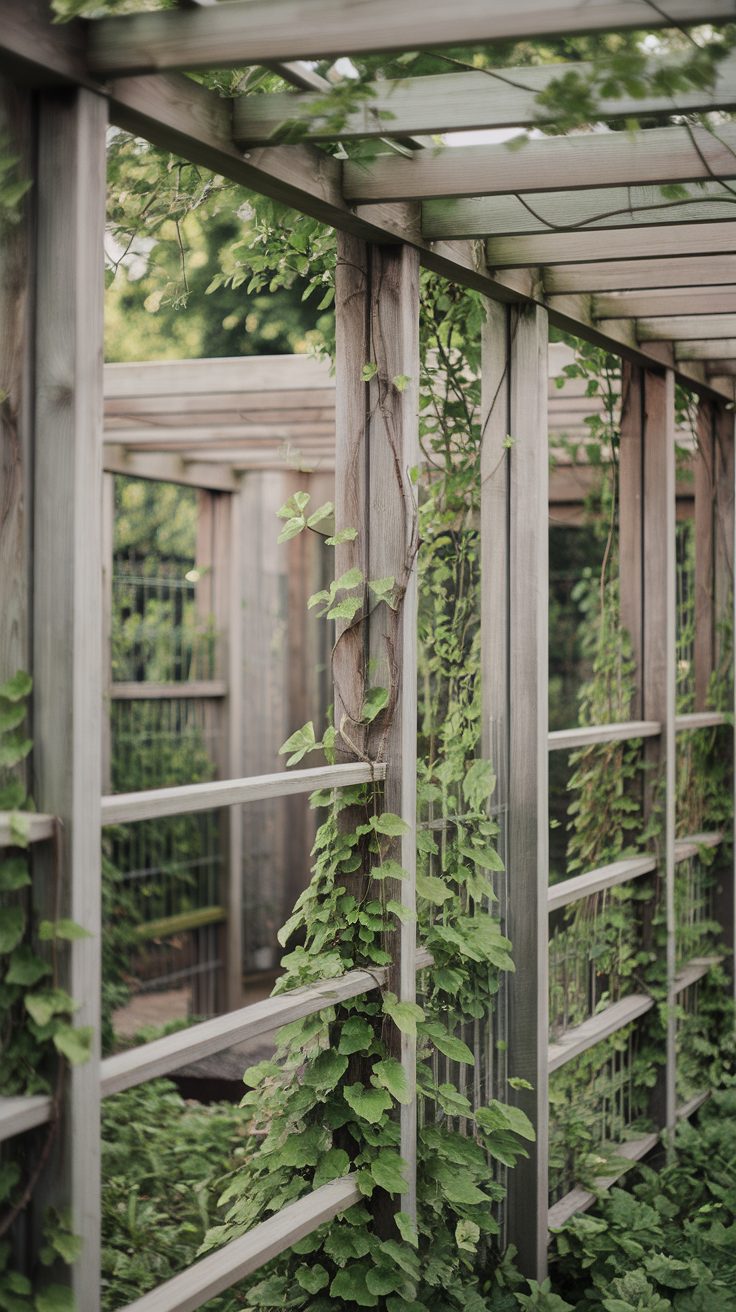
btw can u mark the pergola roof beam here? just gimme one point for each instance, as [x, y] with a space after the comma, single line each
[685, 327]
[584, 160]
[646, 243]
[579, 212]
[715, 350]
[457, 102]
[263, 31]
[665, 302]
[638, 275]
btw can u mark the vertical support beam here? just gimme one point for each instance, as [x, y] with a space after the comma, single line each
[704, 527]
[17, 119]
[514, 523]
[631, 539]
[67, 596]
[108, 549]
[234, 715]
[377, 308]
[725, 620]
[658, 665]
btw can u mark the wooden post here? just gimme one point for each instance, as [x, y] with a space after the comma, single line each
[704, 527]
[108, 545]
[67, 598]
[514, 527]
[631, 509]
[725, 611]
[377, 308]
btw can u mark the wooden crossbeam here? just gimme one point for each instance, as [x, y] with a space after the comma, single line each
[667, 302]
[575, 211]
[582, 160]
[457, 102]
[635, 275]
[549, 248]
[261, 31]
[714, 350]
[686, 327]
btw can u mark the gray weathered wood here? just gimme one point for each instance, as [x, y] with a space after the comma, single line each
[261, 31]
[121, 808]
[377, 307]
[594, 881]
[19, 1114]
[692, 972]
[225, 1267]
[457, 102]
[515, 405]
[690, 846]
[629, 276]
[666, 302]
[699, 720]
[146, 692]
[579, 1199]
[37, 827]
[641, 243]
[704, 528]
[67, 598]
[586, 735]
[597, 1028]
[689, 327]
[170, 467]
[127, 1069]
[583, 160]
[704, 348]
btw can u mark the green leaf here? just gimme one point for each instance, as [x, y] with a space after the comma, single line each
[390, 1074]
[74, 1044]
[368, 371]
[447, 1044]
[375, 701]
[14, 874]
[15, 689]
[402, 913]
[45, 1004]
[301, 741]
[55, 1298]
[388, 823]
[352, 578]
[433, 889]
[407, 1228]
[405, 1015]
[26, 967]
[325, 1071]
[322, 513]
[401, 381]
[346, 609]
[295, 506]
[487, 857]
[65, 929]
[14, 748]
[459, 1188]
[383, 589]
[345, 535]
[388, 1171]
[11, 715]
[368, 1104]
[500, 1116]
[390, 869]
[12, 927]
[291, 529]
[467, 1234]
[516, 1082]
[356, 1036]
[332, 1164]
[312, 1278]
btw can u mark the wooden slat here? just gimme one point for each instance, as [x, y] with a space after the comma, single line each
[35, 827]
[181, 923]
[20, 1114]
[699, 720]
[599, 1027]
[240, 374]
[646, 243]
[666, 302]
[595, 881]
[458, 102]
[689, 1108]
[67, 695]
[127, 1069]
[146, 692]
[169, 468]
[562, 740]
[596, 210]
[685, 848]
[693, 327]
[121, 808]
[629, 276]
[225, 1267]
[579, 1199]
[704, 528]
[262, 31]
[695, 970]
[184, 436]
[704, 348]
[514, 522]
[582, 160]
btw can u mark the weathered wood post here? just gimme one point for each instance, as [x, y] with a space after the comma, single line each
[724, 600]
[67, 575]
[377, 308]
[514, 531]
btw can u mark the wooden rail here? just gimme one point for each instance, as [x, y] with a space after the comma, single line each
[695, 970]
[693, 844]
[225, 1267]
[140, 692]
[597, 1028]
[699, 720]
[36, 828]
[23, 1113]
[562, 740]
[579, 1199]
[149, 1060]
[121, 808]
[595, 881]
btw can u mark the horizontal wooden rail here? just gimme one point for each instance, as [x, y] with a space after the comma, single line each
[23, 1113]
[166, 926]
[124, 807]
[693, 843]
[163, 1055]
[39, 827]
[561, 740]
[694, 971]
[699, 720]
[597, 1028]
[689, 1108]
[579, 1199]
[595, 881]
[147, 692]
[238, 1259]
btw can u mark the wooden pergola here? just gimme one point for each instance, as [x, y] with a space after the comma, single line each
[605, 259]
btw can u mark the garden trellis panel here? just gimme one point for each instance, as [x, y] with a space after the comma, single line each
[529, 273]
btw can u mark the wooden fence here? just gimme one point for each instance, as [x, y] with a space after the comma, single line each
[85, 76]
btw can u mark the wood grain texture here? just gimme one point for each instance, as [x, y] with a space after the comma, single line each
[599, 1027]
[262, 31]
[68, 598]
[515, 404]
[17, 1115]
[455, 102]
[594, 881]
[629, 276]
[704, 529]
[579, 1199]
[564, 739]
[641, 243]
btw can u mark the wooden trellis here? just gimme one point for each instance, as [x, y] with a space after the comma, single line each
[655, 287]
